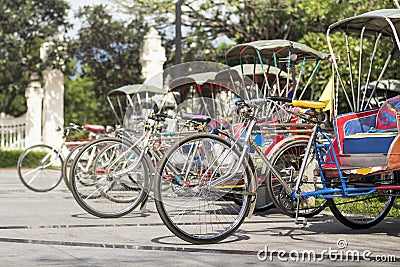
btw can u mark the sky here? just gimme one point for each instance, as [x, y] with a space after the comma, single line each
[76, 4]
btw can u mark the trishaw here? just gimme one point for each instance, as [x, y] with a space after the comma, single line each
[131, 105]
[357, 171]
[367, 143]
[284, 70]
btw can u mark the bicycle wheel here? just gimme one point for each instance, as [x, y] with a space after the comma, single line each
[200, 184]
[67, 164]
[109, 179]
[287, 162]
[40, 168]
[363, 212]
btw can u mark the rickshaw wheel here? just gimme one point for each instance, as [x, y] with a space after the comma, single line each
[363, 212]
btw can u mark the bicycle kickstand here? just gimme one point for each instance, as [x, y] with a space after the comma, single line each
[303, 221]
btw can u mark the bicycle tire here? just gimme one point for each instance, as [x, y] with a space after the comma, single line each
[86, 190]
[67, 163]
[287, 162]
[362, 212]
[196, 194]
[36, 172]
[263, 202]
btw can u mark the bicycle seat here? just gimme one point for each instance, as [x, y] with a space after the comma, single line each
[309, 104]
[198, 118]
[94, 128]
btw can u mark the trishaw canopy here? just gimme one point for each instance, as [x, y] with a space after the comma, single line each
[251, 69]
[267, 48]
[137, 88]
[374, 21]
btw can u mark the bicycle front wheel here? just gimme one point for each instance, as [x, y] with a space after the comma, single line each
[203, 190]
[40, 168]
[109, 179]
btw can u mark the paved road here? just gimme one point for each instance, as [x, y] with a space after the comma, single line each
[50, 229]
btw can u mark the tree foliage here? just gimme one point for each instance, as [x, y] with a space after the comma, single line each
[24, 26]
[245, 21]
[108, 51]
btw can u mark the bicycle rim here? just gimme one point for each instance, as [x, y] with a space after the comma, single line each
[40, 168]
[67, 164]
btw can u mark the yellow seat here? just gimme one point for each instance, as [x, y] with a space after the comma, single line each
[309, 104]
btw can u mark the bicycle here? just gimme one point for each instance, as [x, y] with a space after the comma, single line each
[215, 189]
[41, 167]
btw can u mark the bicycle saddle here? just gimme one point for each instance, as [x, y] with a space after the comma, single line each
[309, 104]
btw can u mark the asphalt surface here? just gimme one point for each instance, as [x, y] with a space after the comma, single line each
[50, 229]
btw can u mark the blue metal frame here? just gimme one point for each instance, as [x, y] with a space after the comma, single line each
[329, 157]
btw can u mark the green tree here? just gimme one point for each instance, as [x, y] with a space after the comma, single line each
[108, 51]
[80, 103]
[24, 26]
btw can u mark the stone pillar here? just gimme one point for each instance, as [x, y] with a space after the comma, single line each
[53, 102]
[34, 98]
[152, 58]
[53, 107]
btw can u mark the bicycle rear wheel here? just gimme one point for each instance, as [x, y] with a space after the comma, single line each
[287, 162]
[202, 191]
[40, 168]
[108, 178]
[362, 212]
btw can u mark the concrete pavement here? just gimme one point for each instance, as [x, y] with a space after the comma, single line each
[50, 229]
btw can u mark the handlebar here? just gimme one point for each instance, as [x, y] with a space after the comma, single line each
[71, 126]
[161, 116]
[74, 126]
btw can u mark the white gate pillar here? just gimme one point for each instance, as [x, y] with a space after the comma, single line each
[53, 101]
[152, 58]
[34, 98]
[53, 106]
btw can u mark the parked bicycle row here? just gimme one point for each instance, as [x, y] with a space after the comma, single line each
[218, 142]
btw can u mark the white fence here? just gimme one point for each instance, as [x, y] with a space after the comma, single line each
[12, 133]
